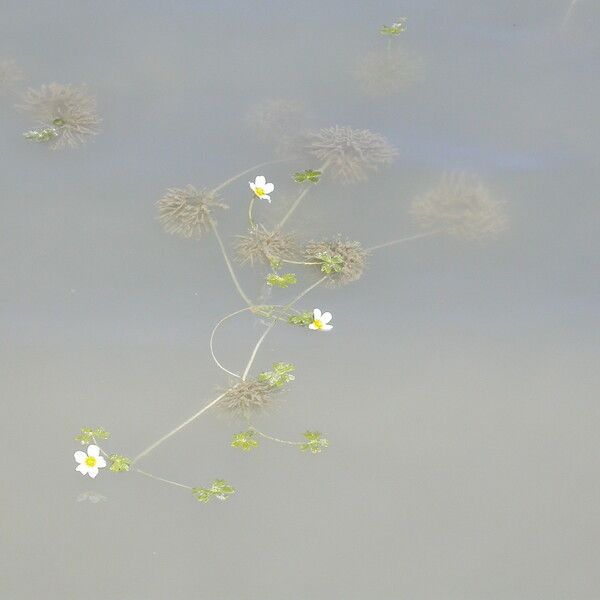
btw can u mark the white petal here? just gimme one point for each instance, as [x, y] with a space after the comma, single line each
[80, 456]
[93, 472]
[269, 187]
[265, 197]
[100, 462]
[260, 181]
[93, 450]
[326, 327]
[82, 468]
[326, 317]
[316, 314]
[252, 186]
[312, 326]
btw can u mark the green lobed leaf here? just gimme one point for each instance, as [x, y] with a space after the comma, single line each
[119, 463]
[395, 29]
[219, 489]
[302, 320]
[314, 442]
[307, 175]
[41, 135]
[244, 441]
[88, 435]
[279, 376]
[281, 281]
[330, 263]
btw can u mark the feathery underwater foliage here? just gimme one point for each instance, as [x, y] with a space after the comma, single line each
[383, 73]
[264, 246]
[187, 212]
[11, 76]
[462, 206]
[353, 259]
[278, 122]
[70, 109]
[350, 153]
[248, 398]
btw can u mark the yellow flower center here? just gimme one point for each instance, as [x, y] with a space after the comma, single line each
[318, 324]
[90, 461]
[259, 192]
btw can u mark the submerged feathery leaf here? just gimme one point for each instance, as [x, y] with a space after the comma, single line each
[345, 263]
[278, 122]
[70, 109]
[350, 153]
[11, 76]
[248, 398]
[462, 206]
[384, 73]
[264, 246]
[187, 212]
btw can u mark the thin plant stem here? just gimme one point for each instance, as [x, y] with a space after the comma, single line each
[258, 166]
[299, 199]
[171, 433]
[229, 265]
[406, 239]
[308, 289]
[253, 355]
[101, 450]
[298, 262]
[187, 487]
[254, 308]
[274, 439]
[250, 207]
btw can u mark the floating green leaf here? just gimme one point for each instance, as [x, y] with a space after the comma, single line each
[314, 442]
[88, 435]
[302, 320]
[119, 463]
[307, 175]
[281, 281]
[330, 263]
[395, 29]
[244, 440]
[41, 135]
[219, 489]
[279, 376]
[274, 262]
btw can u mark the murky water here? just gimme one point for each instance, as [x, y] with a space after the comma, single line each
[458, 388]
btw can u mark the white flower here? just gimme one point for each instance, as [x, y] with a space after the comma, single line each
[320, 321]
[261, 188]
[89, 462]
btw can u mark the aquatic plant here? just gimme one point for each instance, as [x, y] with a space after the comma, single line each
[390, 69]
[350, 154]
[278, 122]
[265, 246]
[344, 261]
[462, 206]
[11, 76]
[187, 212]
[382, 73]
[458, 205]
[70, 110]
